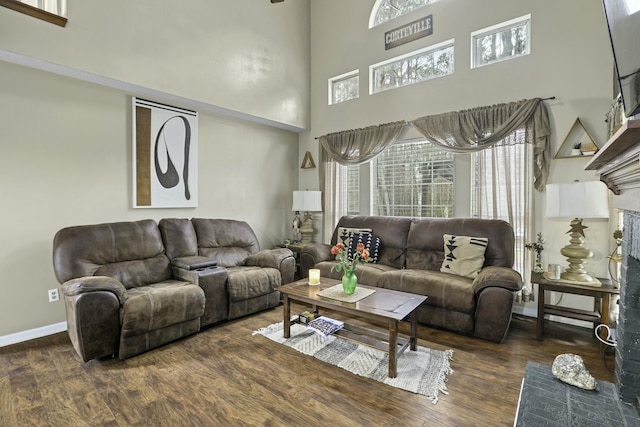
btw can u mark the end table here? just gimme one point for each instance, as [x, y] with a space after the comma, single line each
[601, 294]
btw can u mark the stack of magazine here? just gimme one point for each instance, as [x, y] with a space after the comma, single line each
[325, 326]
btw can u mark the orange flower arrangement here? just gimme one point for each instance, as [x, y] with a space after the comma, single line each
[347, 263]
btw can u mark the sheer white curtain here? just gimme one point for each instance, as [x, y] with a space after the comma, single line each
[504, 190]
[333, 177]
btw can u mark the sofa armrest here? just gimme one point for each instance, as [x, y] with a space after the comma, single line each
[313, 254]
[194, 262]
[88, 284]
[213, 281]
[269, 258]
[93, 306]
[501, 277]
[281, 259]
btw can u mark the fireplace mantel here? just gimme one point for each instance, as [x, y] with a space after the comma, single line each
[618, 164]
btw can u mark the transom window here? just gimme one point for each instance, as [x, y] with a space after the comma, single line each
[53, 11]
[501, 42]
[413, 178]
[344, 87]
[58, 7]
[386, 10]
[415, 67]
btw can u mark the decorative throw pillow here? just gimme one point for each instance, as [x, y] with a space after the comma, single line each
[344, 234]
[463, 255]
[370, 242]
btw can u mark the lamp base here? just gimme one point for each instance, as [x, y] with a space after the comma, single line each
[306, 230]
[576, 254]
[579, 277]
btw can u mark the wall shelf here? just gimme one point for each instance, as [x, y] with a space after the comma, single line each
[626, 137]
[617, 162]
[577, 135]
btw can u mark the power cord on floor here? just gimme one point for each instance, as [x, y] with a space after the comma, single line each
[610, 343]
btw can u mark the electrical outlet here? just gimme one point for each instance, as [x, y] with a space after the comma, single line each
[53, 295]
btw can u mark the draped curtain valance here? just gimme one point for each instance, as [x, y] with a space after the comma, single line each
[357, 146]
[483, 127]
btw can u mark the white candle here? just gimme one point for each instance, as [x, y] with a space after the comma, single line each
[314, 276]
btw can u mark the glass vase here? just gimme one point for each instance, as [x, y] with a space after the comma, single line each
[537, 266]
[349, 281]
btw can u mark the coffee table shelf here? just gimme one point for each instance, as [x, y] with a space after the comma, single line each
[384, 306]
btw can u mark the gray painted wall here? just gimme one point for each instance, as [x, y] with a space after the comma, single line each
[570, 59]
[66, 143]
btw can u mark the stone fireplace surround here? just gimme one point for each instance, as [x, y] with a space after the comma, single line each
[618, 164]
[627, 358]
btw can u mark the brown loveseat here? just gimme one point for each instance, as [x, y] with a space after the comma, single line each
[133, 286]
[411, 254]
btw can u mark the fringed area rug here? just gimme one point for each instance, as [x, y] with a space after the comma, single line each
[423, 371]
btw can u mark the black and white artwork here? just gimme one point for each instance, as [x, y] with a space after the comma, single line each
[165, 156]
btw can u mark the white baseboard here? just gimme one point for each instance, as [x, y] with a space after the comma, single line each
[531, 312]
[31, 334]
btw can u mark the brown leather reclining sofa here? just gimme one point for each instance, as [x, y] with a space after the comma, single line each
[410, 256]
[133, 286]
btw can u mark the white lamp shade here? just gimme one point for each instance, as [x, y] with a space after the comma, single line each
[578, 200]
[307, 201]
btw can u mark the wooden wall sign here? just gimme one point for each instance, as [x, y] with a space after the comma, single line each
[407, 33]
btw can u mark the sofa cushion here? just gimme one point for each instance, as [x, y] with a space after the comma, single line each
[229, 242]
[425, 246]
[392, 231]
[159, 305]
[131, 252]
[249, 282]
[446, 291]
[371, 244]
[179, 237]
[463, 255]
[367, 274]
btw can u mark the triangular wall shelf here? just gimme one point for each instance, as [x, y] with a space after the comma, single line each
[577, 135]
[307, 162]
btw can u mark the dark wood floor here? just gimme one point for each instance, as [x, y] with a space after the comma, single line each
[224, 376]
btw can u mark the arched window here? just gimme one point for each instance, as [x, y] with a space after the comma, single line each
[386, 10]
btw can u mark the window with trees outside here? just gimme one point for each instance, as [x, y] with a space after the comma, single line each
[386, 10]
[414, 67]
[353, 190]
[501, 42]
[344, 87]
[412, 178]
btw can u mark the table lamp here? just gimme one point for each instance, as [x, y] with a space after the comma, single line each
[577, 200]
[307, 202]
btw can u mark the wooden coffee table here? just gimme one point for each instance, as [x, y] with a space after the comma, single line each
[383, 306]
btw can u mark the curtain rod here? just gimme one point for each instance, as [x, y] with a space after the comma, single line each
[542, 99]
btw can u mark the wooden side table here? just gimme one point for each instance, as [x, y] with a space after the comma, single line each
[601, 294]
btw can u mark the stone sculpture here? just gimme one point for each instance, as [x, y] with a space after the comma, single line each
[570, 369]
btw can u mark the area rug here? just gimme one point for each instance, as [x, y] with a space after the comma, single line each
[423, 371]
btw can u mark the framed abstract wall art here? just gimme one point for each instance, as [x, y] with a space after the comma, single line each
[165, 156]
